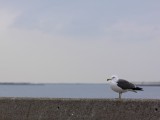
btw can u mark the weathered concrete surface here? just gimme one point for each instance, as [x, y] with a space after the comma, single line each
[78, 109]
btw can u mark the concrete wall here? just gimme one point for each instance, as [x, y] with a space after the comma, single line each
[78, 109]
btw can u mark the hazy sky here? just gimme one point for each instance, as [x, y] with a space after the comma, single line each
[79, 40]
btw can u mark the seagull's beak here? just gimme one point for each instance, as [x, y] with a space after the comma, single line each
[108, 79]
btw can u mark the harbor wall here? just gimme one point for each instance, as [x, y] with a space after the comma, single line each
[78, 109]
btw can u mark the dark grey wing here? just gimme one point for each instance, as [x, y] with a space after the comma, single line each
[125, 84]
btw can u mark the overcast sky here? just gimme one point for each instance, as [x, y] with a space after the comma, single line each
[79, 41]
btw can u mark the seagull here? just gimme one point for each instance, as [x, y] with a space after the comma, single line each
[120, 85]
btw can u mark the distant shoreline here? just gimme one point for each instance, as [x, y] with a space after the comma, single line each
[12, 83]
[137, 83]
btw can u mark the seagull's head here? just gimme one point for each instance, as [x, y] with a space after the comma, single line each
[113, 77]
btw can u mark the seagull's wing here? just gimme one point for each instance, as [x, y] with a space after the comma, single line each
[125, 84]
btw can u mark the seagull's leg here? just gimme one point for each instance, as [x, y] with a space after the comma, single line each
[120, 94]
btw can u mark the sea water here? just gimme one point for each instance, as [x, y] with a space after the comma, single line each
[74, 91]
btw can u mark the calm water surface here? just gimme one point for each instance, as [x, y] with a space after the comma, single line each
[74, 91]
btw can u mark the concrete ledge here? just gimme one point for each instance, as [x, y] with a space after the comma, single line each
[78, 109]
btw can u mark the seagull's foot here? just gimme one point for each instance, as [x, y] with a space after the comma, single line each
[118, 98]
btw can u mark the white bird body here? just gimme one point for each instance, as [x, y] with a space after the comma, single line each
[115, 88]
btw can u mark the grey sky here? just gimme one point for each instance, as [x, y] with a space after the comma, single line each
[79, 41]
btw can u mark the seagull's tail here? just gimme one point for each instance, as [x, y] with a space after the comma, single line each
[138, 88]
